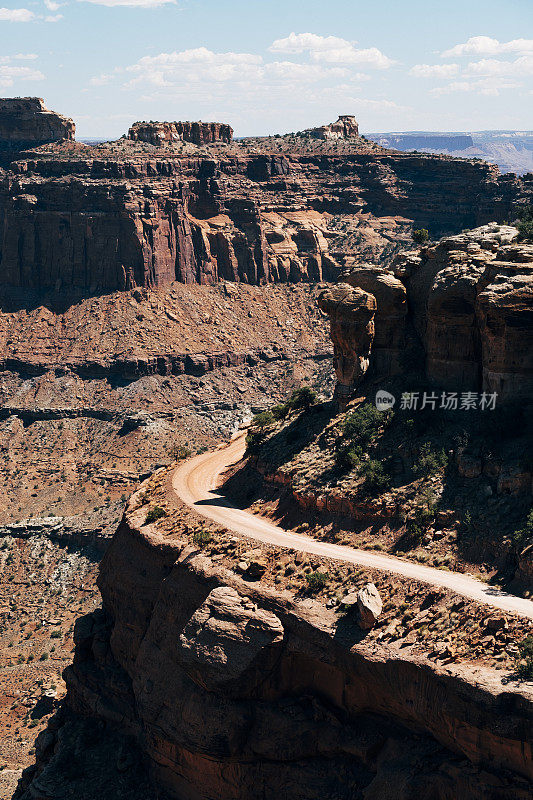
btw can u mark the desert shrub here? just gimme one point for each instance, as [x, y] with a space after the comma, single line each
[303, 398]
[360, 429]
[430, 461]
[377, 477]
[201, 538]
[524, 536]
[263, 419]
[154, 513]
[362, 425]
[179, 452]
[525, 224]
[421, 236]
[316, 581]
[254, 439]
[524, 666]
[280, 411]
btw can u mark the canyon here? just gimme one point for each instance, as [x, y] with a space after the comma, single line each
[157, 293]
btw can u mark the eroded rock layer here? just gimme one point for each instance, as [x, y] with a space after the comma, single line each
[232, 690]
[467, 302]
[158, 133]
[183, 202]
[26, 122]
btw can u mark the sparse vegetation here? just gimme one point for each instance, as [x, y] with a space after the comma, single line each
[202, 538]
[179, 452]
[155, 513]
[421, 236]
[430, 461]
[360, 430]
[316, 581]
[524, 536]
[524, 666]
[525, 224]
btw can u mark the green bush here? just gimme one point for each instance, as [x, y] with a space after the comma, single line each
[201, 538]
[421, 236]
[263, 419]
[524, 666]
[377, 478]
[525, 224]
[303, 398]
[360, 429]
[524, 537]
[280, 411]
[254, 440]
[154, 513]
[430, 461]
[316, 581]
[179, 452]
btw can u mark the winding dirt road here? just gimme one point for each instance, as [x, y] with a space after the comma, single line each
[195, 483]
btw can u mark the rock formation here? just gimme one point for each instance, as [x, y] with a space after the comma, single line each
[351, 313]
[26, 122]
[472, 301]
[469, 298]
[346, 127]
[76, 218]
[234, 691]
[158, 133]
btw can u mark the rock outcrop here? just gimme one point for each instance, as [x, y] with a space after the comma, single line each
[234, 691]
[158, 133]
[468, 299]
[346, 127]
[26, 122]
[351, 313]
[472, 302]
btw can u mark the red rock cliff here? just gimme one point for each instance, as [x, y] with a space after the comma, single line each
[157, 133]
[26, 122]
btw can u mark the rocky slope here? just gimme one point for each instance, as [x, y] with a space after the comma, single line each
[231, 690]
[82, 219]
[94, 397]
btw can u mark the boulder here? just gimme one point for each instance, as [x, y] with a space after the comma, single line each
[369, 606]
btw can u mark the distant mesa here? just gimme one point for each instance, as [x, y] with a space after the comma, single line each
[199, 133]
[26, 122]
[346, 127]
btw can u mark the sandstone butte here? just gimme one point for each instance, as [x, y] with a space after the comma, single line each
[226, 688]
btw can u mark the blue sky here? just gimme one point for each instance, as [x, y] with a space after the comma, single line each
[271, 66]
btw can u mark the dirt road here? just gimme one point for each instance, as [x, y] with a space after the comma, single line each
[195, 482]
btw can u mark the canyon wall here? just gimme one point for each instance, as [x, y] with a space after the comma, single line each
[76, 218]
[234, 691]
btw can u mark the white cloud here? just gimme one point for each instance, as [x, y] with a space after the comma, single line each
[331, 49]
[53, 17]
[129, 3]
[434, 70]
[16, 15]
[486, 86]
[11, 74]
[494, 67]
[484, 45]
[51, 5]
